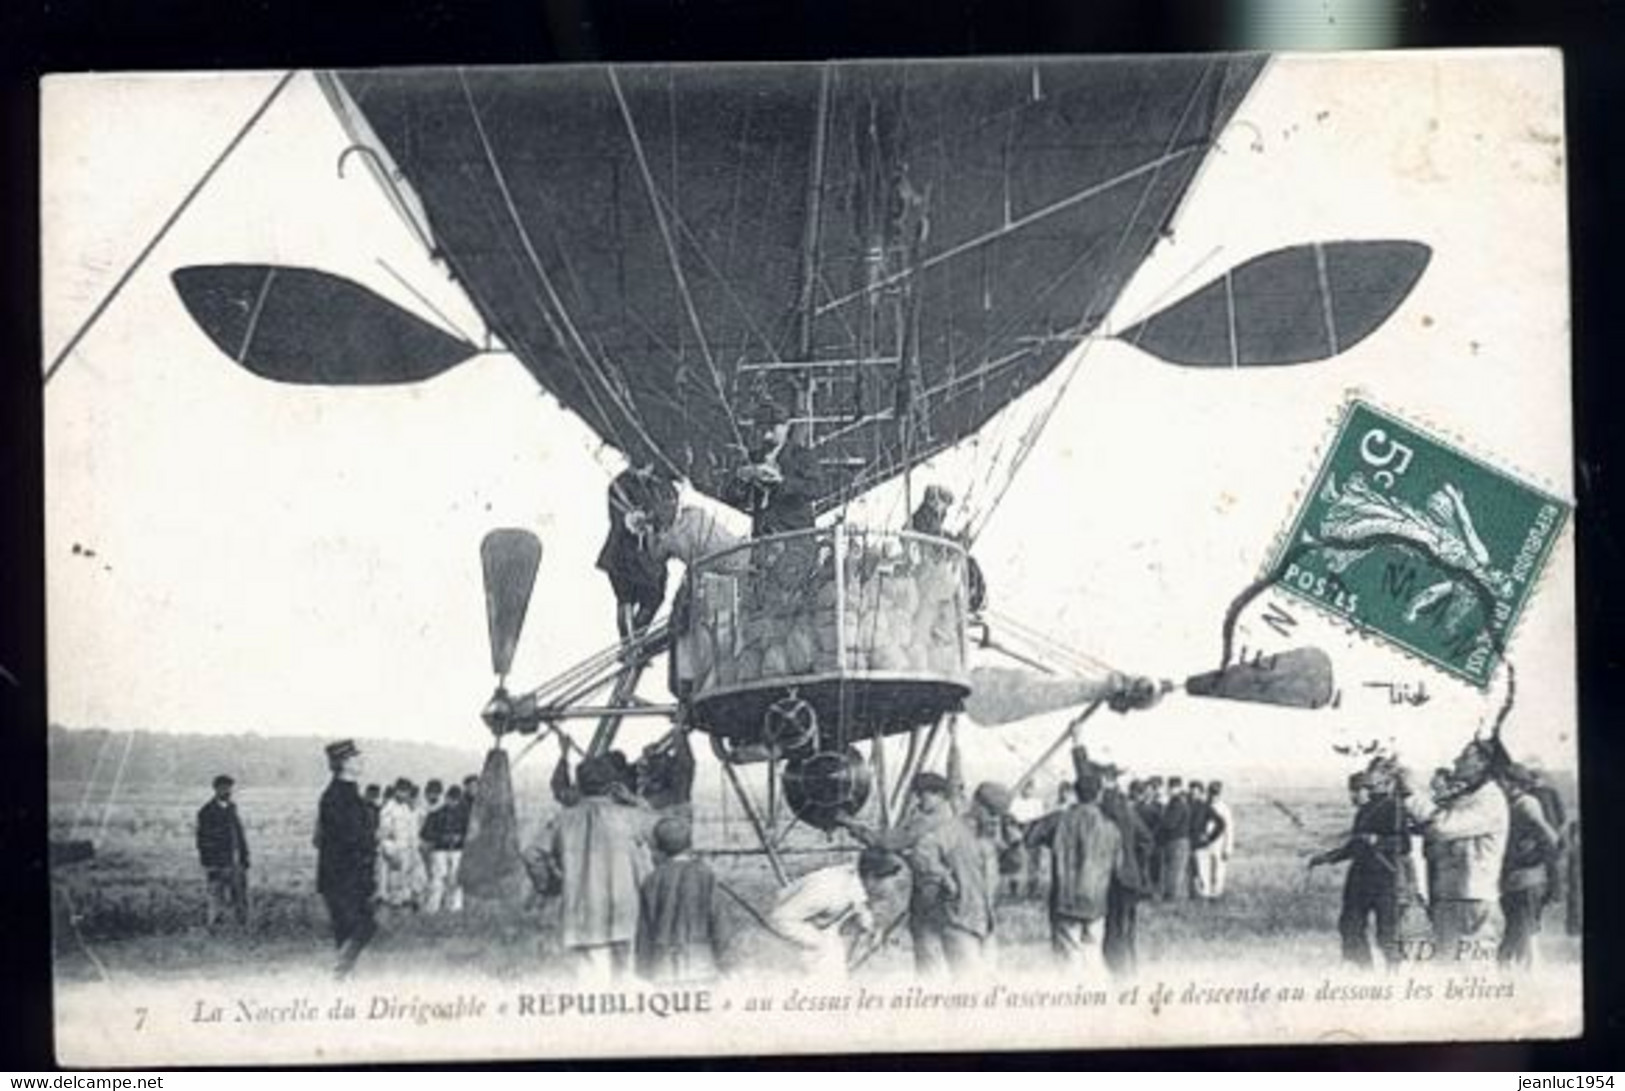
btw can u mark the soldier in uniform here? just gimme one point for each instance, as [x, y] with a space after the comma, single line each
[1381, 880]
[346, 849]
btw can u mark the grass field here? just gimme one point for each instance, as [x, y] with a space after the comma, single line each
[137, 907]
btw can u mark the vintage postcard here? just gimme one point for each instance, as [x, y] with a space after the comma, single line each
[735, 559]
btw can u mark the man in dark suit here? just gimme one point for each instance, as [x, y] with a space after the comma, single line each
[1131, 882]
[222, 849]
[778, 486]
[1381, 879]
[1150, 807]
[636, 576]
[346, 853]
[1174, 843]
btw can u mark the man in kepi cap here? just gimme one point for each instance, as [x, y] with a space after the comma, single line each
[951, 900]
[346, 848]
[222, 849]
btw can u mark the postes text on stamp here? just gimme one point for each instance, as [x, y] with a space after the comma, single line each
[1409, 537]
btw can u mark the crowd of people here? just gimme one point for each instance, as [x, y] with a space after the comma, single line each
[1191, 827]
[633, 896]
[1462, 869]
[1469, 865]
[389, 845]
[420, 842]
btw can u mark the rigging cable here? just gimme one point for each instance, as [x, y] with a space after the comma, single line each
[423, 299]
[586, 381]
[90, 784]
[547, 281]
[1036, 432]
[671, 250]
[118, 782]
[152, 243]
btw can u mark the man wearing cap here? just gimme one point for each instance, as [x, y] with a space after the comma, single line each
[445, 828]
[951, 897]
[817, 910]
[346, 845]
[1086, 850]
[778, 486]
[222, 849]
[679, 939]
[1381, 879]
[601, 854]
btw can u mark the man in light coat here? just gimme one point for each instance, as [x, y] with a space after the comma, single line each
[1465, 838]
[401, 874]
[600, 848]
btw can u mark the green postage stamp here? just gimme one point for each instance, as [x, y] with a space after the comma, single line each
[1409, 537]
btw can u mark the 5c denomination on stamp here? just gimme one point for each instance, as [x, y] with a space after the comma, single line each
[1411, 538]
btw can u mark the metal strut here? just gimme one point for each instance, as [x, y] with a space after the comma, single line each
[762, 834]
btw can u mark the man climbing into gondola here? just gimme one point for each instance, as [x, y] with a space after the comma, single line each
[689, 534]
[637, 577]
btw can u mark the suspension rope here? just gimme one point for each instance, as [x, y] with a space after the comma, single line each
[493, 221]
[90, 785]
[1030, 441]
[164, 229]
[547, 281]
[423, 299]
[671, 250]
[1152, 167]
[118, 781]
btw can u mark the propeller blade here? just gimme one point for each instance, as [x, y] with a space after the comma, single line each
[510, 558]
[1293, 306]
[1300, 678]
[294, 325]
[1000, 695]
[493, 866]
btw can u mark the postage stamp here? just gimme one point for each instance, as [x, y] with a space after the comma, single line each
[1412, 538]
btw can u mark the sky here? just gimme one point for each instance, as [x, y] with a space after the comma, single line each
[292, 560]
